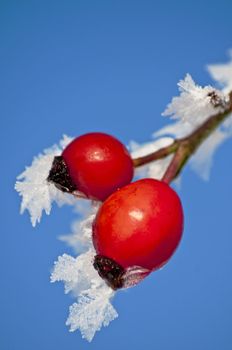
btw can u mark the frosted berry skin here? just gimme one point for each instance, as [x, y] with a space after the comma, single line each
[98, 164]
[139, 225]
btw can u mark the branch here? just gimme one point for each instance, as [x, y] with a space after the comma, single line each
[185, 147]
[161, 153]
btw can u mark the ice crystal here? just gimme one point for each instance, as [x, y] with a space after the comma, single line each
[92, 311]
[80, 237]
[195, 104]
[93, 308]
[37, 193]
[222, 73]
[177, 129]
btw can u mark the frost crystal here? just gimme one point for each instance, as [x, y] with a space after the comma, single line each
[93, 308]
[194, 105]
[176, 130]
[81, 237]
[37, 193]
[222, 73]
[92, 311]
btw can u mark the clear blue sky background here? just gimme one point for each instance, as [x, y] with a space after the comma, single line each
[78, 66]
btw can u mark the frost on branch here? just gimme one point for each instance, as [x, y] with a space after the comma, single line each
[191, 108]
[37, 193]
[195, 103]
[93, 308]
[194, 106]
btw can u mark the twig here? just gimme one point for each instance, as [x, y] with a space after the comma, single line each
[185, 147]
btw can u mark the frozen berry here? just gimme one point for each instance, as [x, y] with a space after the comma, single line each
[97, 164]
[139, 225]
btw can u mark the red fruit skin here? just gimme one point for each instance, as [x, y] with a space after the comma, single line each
[98, 164]
[139, 225]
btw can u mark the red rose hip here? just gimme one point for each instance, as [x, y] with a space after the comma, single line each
[139, 225]
[95, 164]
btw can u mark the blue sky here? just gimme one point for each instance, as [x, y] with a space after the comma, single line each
[78, 66]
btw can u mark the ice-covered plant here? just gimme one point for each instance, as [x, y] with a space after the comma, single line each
[202, 120]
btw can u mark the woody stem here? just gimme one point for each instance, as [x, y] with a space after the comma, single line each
[183, 148]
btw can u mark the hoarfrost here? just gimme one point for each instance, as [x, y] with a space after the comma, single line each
[201, 161]
[92, 311]
[80, 238]
[176, 130]
[37, 193]
[194, 105]
[93, 308]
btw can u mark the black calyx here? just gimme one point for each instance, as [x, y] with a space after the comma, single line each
[60, 177]
[110, 271]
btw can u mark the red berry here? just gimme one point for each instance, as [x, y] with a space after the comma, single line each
[139, 225]
[98, 164]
